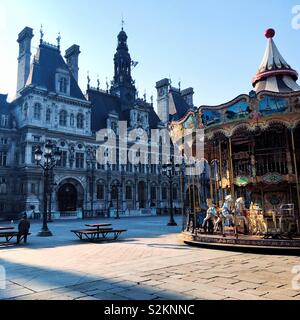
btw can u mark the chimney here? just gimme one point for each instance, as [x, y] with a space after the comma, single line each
[24, 40]
[188, 96]
[72, 55]
[162, 88]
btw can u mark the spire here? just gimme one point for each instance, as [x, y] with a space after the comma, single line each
[122, 60]
[274, 73]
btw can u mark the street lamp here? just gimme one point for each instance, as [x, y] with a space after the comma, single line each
[91, 163]
[170, 171]
[52, 155]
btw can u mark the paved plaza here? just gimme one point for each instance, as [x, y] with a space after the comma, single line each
[148, 263]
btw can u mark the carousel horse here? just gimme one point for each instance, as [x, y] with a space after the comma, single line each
[239, 210]
[208, 223]
[227, 210]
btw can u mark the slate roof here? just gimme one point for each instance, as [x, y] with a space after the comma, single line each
[104, 103]
[43, 69]
[178, 106]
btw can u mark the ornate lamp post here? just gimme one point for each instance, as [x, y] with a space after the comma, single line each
[51, 156]
[170, 171]
[116, 187]
[91, 162]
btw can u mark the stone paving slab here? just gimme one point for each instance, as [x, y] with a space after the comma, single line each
[149, 263]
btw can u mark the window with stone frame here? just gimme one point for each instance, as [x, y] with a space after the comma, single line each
[4, 141]
[3, 159]
[79, 160]
[114, 193]
[63, 117]
[2, 206]
[72, 120]
[63, 160]
[164, 193]
[100, 191]
[33, 188]
[153, 193]
[80, 121]
[3, 185]
[128, 192]
[33, 149]
[4, 120]
[48, 116]
[63, 85]
[37, 114]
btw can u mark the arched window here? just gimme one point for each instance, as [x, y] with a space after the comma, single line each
[129, 192]
[72, 120]
[48, 116]
[80, 120]
[164, 193]
[63, 84]
[63, 118]
[153, 193]
[100, 191]
[37, 111]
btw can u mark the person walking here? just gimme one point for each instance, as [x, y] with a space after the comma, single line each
[24, 227]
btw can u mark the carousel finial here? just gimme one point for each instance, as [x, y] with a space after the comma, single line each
[270, 33]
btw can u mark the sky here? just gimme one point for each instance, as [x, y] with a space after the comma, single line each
[214, 46]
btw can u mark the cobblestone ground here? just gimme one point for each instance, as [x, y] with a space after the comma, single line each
[149, 263]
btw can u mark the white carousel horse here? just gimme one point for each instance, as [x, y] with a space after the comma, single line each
[227, 209]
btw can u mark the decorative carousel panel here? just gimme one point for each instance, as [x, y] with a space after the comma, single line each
[210, 117]
[190, 123]
[270, 105]
[240, 110]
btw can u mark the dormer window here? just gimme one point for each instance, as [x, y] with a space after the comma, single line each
[63, 85]
[37, 111]
[62, 79]
[4, 121]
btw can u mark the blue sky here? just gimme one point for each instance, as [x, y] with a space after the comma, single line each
[214, 46]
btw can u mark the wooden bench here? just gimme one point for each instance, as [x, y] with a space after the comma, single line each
[10, 235]
[103, 234]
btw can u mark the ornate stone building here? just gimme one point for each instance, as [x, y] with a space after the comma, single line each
[50, 106]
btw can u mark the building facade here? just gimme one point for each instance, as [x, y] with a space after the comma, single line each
[50, 106]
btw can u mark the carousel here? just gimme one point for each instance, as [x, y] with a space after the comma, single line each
[249, 194]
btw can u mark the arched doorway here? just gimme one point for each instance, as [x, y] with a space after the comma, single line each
[70, 195]
[67, 198]
[142, 194]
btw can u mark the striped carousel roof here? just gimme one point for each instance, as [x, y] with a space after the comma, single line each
[274, 73]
